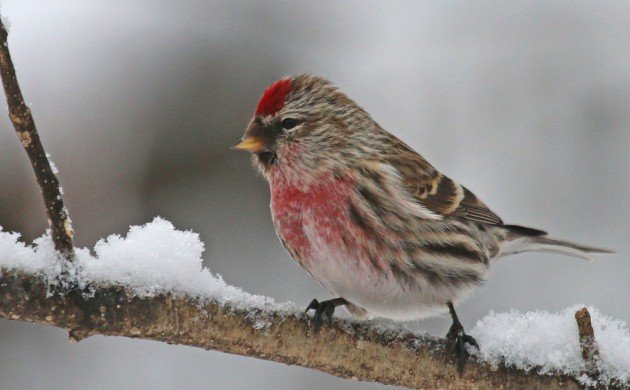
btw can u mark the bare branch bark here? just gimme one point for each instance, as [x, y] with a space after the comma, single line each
[590, 351]
[20, 115]
[345, 349]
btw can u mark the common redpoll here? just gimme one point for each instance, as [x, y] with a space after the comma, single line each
[368, 217]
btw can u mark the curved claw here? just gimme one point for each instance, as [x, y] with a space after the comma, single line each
[324, 309]
[456, 341]
[312, 306]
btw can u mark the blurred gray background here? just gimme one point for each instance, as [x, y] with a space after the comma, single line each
[527, 104]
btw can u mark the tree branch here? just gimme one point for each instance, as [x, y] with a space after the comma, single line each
[20, 115]
[344, 349]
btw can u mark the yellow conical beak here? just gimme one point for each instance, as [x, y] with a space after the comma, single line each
[251, 144]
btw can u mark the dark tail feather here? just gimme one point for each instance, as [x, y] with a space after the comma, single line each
[524, 239]
[524, 231]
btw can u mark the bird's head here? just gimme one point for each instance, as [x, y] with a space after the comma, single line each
[302, 121]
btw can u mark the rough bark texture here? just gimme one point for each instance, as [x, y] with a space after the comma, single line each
[590, 351]
[345, 349]
[22, 120]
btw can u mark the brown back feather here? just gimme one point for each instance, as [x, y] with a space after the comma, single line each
[436, 191]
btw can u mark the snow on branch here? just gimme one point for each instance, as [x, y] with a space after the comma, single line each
[152, 284]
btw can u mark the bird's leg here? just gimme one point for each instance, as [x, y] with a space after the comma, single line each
[324, 309]
[456, 340]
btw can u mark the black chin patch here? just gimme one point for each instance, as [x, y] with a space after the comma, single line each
[267, 158]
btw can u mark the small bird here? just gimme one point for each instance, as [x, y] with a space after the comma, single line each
[368, 217]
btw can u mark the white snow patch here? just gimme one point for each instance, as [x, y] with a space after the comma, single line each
[549, 342]
[6, 22]
[53, 167]
[40, 258]
[152, 259]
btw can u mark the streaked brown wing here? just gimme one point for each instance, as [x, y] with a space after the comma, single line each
[437, 192]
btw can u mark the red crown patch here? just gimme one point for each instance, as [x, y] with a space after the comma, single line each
[274, 97]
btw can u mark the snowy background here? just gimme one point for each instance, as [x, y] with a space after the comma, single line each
[139, 101]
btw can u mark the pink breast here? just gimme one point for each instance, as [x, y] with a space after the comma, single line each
[325, 202]
[323, 209]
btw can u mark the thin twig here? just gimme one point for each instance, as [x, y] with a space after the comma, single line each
[20, 115]
[588, 344]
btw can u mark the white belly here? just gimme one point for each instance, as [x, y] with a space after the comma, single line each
[379, 294]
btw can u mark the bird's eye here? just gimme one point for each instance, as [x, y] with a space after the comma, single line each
[289, 123]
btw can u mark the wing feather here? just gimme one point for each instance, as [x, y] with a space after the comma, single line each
[437, 192]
